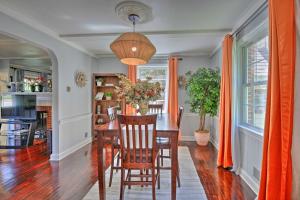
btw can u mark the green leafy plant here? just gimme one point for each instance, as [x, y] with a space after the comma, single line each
[203, 88]
[99, 79]
[108, 94]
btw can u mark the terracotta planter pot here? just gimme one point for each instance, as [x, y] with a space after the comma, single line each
[202, 137]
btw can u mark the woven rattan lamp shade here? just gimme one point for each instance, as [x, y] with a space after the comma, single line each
[133, 48]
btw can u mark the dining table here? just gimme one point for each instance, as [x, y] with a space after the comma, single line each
[166, 127]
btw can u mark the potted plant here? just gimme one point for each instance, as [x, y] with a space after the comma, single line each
[99, 81]
[139, 94]
[108, 96]
[203, 88]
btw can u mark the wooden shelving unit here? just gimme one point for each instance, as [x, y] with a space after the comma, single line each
[104, 103]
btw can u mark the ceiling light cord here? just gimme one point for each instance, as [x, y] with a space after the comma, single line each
[133, 18]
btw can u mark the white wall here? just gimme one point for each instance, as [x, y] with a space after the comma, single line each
[111, 65]
[72, 109]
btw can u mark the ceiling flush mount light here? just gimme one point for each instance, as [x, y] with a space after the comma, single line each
[132, 48]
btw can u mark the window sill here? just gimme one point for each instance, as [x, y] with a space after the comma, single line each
[251, 132]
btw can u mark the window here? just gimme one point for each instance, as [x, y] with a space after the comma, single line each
[255, 75]
[158, 73]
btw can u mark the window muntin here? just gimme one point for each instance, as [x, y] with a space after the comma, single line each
[255, 73]
[158, 74]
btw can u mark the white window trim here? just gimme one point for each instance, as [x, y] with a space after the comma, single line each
[255, 35]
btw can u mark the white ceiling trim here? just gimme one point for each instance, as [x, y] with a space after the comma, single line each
[36, 25]
[24, 58]
[160, 55]
[217, 32]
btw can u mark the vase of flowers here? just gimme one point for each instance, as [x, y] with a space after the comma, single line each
[139, 94]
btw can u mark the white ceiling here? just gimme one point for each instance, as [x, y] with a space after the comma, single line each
[23, 53]
[208, 20]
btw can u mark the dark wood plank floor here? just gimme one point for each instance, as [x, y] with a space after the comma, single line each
[27, 174]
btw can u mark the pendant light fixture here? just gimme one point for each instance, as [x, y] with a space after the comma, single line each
[133, 48]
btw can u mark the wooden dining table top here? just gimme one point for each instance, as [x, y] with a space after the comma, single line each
[164, 123]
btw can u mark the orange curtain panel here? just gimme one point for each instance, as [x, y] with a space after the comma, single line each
[173, 88]
[224, 154]
[132, 77]
[276, 172]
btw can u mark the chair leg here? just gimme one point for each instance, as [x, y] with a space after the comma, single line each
[122, 184]
[153, 183]
[112, 166]
[158, 173]
[118, 161]
[129, 178]
[142, 179]
[178, 177]
[162, 157]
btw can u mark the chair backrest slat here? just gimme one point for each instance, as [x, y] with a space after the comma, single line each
[155, 108]
[135, 142]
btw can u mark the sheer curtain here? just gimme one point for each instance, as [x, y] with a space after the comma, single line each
[235, 114]
[296, 134]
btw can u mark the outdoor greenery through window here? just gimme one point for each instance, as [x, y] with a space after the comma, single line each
[255, 73]
[158, 74]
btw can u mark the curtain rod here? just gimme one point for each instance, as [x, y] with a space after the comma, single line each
[251, 18]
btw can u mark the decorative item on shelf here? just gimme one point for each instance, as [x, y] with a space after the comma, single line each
[108, 96]
[182, 81]
[99, 81]
[139, 94]
[133, 48]
[98, 111]
[36, 85]
[80, 79]
[109, 84]
[99, 96]
[100, 121]
[203, 87]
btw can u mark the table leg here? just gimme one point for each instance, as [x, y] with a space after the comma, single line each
[101, 167]
[174, 152]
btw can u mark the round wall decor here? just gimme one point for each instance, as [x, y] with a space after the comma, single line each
[80, 79]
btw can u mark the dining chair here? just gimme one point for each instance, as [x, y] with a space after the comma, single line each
[155, 108]
[112, 114]
[164, 143]
[138, 151]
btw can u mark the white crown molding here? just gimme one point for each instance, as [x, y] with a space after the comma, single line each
[204, 32]
[190, 54]
[36, 25]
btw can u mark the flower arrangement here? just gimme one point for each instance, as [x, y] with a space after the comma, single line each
[139, 94]
[37, 84]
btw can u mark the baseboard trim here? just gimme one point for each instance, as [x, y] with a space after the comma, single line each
[250, 182]
[214, 143]
[62, 155]
[187, 138]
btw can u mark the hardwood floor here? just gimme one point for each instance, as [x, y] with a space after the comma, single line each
[27, 174]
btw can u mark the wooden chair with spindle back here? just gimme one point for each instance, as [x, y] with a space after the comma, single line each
[112, 114]
[155, 108]
[164, 143]
[138, 151]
